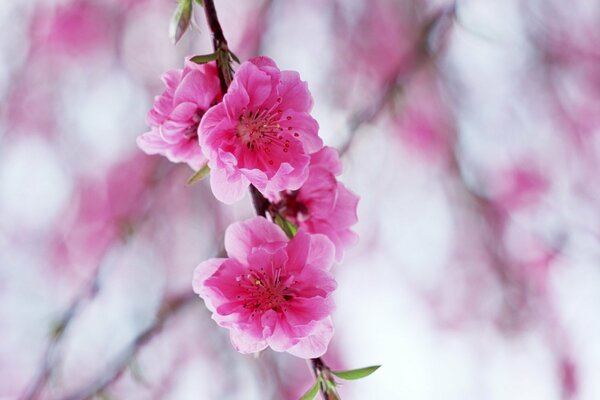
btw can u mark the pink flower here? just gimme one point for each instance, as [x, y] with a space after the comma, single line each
[271, 291]
[177, 112]
[261, 134]
[322, 204]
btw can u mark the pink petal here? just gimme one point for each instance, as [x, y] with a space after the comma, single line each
[201, 274]
[345, 208]
[319, 192]
[305, 126]
[297, 251]
[314, 345]
[249, 81]
[303, 311]
[151, 142]
[283, 336]
[321, 253]
[242, 237]
[294, 92]
[327, 158]
[198, 89]
[227, 189]
[246, 343]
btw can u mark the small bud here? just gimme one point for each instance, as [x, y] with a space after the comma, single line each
[181, 20]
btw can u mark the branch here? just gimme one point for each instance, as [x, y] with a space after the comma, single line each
[219, 45]
[168, 309]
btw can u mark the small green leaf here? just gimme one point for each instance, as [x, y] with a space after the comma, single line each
[205, 58]
[312, 392]
[200, 3]
[356, 373]
[199, 175]
[289, 228]
[234, 57]
[180, 20]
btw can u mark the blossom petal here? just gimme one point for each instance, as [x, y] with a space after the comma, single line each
[294, 92]
[246, 343]
[321, 253]
[327, 158]
[315, 344]
[197, 89]
[226, 188]
[202, 272]
[242, 237]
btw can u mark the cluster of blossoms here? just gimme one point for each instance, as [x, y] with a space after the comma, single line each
[272, 290]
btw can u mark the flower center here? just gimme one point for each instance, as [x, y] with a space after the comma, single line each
[291, 208]
[263, 292]
[261, 131]
[192, 131]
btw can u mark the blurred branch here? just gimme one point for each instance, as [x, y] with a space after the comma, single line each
[57, 335]
[401, 77]
[168, 309]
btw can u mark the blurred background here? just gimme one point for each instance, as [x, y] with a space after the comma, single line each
[470, 129]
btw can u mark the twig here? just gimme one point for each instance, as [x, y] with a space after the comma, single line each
[219, 44]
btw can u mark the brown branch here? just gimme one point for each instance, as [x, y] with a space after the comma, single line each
[219, 45]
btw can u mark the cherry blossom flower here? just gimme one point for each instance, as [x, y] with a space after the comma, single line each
[271, 291]
[261, 134]
[177, 112]
[322, 204]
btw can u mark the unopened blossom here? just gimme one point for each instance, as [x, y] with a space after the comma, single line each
[177, 112]
[271, 291]
[261, 134]
[323, 204]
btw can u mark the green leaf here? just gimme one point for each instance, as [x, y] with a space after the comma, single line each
[312, 392]
[234, 57]
[200, 3]
[199, 175]
[205, 58]
[289, 228]
[356, 373]
[181, 19]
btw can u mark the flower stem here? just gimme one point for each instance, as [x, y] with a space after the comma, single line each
[219, 45]
[327, 385]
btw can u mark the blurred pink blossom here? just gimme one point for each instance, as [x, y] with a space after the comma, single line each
[271, 291]
[177, 112]
[322, 204]
[75, 28]
[261, 134]
[424, 122]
